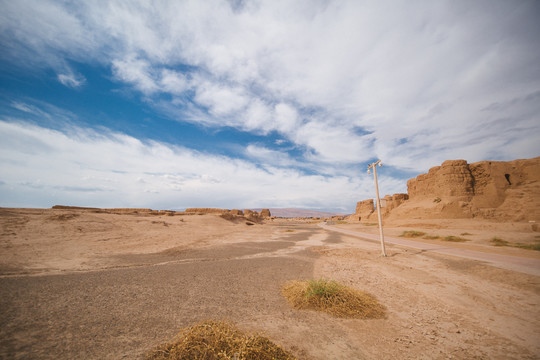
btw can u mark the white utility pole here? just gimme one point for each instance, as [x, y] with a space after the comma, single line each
[381, 236]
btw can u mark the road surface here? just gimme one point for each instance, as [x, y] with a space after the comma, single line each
[516, 263]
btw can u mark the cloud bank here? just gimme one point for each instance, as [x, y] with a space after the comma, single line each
[84, 167]
[340, 82]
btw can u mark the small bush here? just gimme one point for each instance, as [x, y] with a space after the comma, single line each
[431, 237]
[412, 234]
[437, 200]
[333, 298]
[528, 246]
[454, 238]
[465, 234]
[213, 340]
[322, 288]
[499, 242]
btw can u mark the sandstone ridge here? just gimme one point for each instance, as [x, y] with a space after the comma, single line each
[493, 190]
[265, 213]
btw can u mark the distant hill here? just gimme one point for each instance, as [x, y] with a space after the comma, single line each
[291, 212]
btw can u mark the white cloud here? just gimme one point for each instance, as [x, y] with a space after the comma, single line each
[221, 100]
[28, 108]
[286, 118]
[270, 157]
[43, 167]
[415, 76]
[71, 80]
[44, 33]
[135, 72]
[173, 82]
[333, 143]
[257, 116]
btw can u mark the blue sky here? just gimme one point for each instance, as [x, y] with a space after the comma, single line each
[247, 104]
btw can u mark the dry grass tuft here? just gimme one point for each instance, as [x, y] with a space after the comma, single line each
[416, 234]
[412, 234]
[500, 242]
[213, 340]
[453, 238]
[333, 298]
[528, 246]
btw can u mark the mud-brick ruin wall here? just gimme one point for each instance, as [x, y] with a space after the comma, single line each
[501, 190]
[452, 178]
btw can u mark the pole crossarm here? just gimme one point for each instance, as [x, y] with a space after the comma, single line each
[370, 166]
[378, 200]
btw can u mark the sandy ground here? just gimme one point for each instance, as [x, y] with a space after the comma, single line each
[75, 284]
[528, 263]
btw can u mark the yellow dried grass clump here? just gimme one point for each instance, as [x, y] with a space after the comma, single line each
[213, 340]
[333, 298]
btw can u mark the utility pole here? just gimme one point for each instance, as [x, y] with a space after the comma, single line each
[378, 200]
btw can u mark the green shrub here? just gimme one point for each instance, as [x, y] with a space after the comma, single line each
[322, 287]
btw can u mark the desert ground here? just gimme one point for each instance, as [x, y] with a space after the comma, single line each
[89, 285]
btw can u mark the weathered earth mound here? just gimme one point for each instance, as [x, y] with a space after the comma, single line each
[207, 210]
[498, 190]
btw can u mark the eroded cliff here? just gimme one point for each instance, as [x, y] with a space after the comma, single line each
[498, 190]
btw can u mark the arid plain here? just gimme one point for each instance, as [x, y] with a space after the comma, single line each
[85, 284]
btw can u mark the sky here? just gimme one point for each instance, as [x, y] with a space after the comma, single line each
[257, 104]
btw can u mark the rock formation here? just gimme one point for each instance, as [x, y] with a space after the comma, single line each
[265, 213]
[248, 212]
[393, 201]
[207, 210]
[109, 210]
[364, 209]
[498, 190]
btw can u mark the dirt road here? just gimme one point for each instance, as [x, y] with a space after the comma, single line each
[516, 263]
